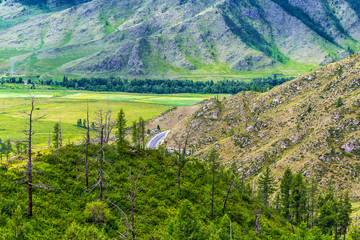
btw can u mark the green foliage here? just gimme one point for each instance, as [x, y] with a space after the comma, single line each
[186, 225]
[77, 232]
[97, 212]
[298, 198]
[339, 102]
[121, 131]
[68, 211]
[266, 186]
[285, 187]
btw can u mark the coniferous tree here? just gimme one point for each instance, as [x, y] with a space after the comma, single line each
[285, 186]
[186, 224]
[141, 132]
[266, 186]
[56, 135]
[135, 135]
[121, 133]
[16, 226]
[328, 213]
[344, 218]
[8, 149]
[312, 201]
[214, 164]
[298, 198]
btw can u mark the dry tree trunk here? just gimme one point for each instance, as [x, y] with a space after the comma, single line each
[87, 146]
[30, 133]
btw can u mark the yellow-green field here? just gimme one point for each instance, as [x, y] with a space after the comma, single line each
[69, 106]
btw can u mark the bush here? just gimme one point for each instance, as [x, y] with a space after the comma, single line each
[97, 212]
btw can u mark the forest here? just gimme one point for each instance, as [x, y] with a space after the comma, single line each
[119, 190]
[160, 86]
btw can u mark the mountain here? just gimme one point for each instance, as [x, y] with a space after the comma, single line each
[310, 124]
[176, 38]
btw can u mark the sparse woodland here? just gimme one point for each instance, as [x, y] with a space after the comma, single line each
[120, 190]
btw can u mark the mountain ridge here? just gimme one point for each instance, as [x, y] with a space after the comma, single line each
[175, 38]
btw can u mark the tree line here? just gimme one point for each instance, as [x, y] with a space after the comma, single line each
[165, 86]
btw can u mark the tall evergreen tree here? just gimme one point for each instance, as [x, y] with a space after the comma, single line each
[141, 132]
[285, 186]
[298, 198]
[344, 218]
[120, 133]
[214, 164]
[266, 186]
[56, 135]
[135, 135]
[186, 225]
[328, 213]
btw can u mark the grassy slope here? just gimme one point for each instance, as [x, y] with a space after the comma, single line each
[297, 124]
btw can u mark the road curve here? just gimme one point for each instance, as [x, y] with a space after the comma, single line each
[155, 141]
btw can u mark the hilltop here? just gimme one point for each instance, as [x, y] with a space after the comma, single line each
[175, 38]
[310, 124]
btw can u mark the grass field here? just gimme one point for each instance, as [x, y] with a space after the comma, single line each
[69, 106]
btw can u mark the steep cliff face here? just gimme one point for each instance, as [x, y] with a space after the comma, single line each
[310, 124]
[157, 38]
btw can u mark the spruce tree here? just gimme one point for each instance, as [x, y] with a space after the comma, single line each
[141, 132]
[120, 133]
[186, 224]
[214, 164]
[266, 186]
[298, 198]
[285, 186]
[135, 135]
[344, 218]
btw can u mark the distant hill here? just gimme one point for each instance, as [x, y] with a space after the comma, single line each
[175, 38]
[311, 124]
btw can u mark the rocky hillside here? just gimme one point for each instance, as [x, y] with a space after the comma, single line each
[179, 37]
[310, 124]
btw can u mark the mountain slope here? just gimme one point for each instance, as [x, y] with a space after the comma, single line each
[309, 124]
[174, 38]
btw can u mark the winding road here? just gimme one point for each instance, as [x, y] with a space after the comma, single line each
[155, 141]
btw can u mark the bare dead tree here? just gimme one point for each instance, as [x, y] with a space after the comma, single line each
[60, 134]
[109, 124]
[101, 126]
[29, 132]
[257, 219]
[227, 194]
[182, 160]
[131, 223]
[87, 142]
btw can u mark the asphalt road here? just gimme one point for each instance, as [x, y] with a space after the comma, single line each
[155, 141]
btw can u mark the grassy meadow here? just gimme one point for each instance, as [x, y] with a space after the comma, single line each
[68, 106]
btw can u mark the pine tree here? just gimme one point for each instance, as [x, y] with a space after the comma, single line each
[266, 186]
[16, 225]
[285, 186]
[214, 164]
[298, 198]
[56, 137]
[135, 135]
[141, 132]
[328, 213]
[120, 133]
[186, 224]
[344, 218]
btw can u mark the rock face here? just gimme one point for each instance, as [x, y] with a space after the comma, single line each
[137, 37]
[299, 124]
[351, 146]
